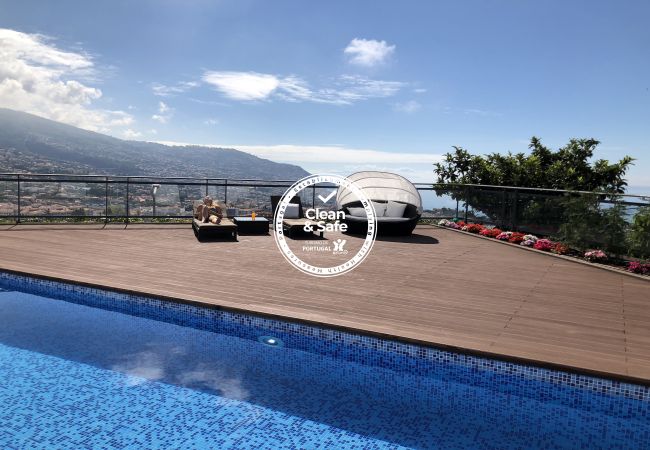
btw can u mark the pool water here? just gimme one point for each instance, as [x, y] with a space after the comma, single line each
[76, 376]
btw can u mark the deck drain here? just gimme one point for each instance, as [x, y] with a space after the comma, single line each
[271, 341]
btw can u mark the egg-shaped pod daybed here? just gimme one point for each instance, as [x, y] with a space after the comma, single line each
[397, 203]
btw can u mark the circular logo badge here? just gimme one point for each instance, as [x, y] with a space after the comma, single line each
[320, 247]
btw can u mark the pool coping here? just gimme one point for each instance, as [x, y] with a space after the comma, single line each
[612, 376]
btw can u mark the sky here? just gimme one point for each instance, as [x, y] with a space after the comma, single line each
[339, 86]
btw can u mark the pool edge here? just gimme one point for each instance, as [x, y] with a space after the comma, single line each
[611, 376]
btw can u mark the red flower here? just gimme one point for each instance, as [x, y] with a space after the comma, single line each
[490, 232]
[516, 238]
[475, 228]
[560, 248]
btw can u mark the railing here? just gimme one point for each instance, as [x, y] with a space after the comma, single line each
[616, 223]
[588, 218]
[37, 197]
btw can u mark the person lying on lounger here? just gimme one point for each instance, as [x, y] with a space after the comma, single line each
[209, 211]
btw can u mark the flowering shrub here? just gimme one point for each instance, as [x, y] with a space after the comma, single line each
[504, 236]
[450, 224]
[490, 232]
[560, 249]
[532, 241]
[474, 228]
[543, 244]
[637, 267]
[595, 255]
[516, 238]
[447, 223]
[528, 240]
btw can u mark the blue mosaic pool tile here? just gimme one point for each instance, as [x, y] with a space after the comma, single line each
[419, 382]
[339, 344]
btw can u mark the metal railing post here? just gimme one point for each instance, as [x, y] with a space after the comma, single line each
[504, 208]
[206, 187]
[18, 180]
[225, 192]
[127, 200]
[466, 202]
[106, 200]
[513, 212]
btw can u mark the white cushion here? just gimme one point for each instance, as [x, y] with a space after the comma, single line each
[380, 208]
[395, 209]
[292, 211]
[358, 212]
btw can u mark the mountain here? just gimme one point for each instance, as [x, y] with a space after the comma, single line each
[30, 143]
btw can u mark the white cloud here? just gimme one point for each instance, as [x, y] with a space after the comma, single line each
[341, 160]
[368, 52]
[39, 78]
[211, 121]
[163, 90]
[131, 134]
[355, 88]
[334, 154]
[242, 85]
[253, 86]
[164, 113]
[409, 107]
[163, 108]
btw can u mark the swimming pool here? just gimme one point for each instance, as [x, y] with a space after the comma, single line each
[86, 368]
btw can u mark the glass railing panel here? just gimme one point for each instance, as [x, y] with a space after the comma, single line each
[8, 198]
[486, 205]
[245, 196]
[536, 212]
[44, 197]
[441, 202]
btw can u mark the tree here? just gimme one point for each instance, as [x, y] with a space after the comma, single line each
[639, 236]
[568, 168]
[579, 220]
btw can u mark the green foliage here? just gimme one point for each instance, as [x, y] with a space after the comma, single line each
[568, 168]
[613, 230]
[581, 221]
[581, 217]
[639, 235]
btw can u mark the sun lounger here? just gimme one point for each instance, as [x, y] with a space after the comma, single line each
[226, 229]
[205, 230]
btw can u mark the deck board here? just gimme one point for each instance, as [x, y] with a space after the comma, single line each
[440, 287]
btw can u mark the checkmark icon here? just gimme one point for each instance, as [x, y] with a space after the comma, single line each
[328, 198]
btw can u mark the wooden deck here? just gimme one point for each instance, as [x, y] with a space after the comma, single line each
[438, 287]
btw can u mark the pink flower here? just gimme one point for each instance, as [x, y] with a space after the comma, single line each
[637, 267]
[543, 244]
[595, 255]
